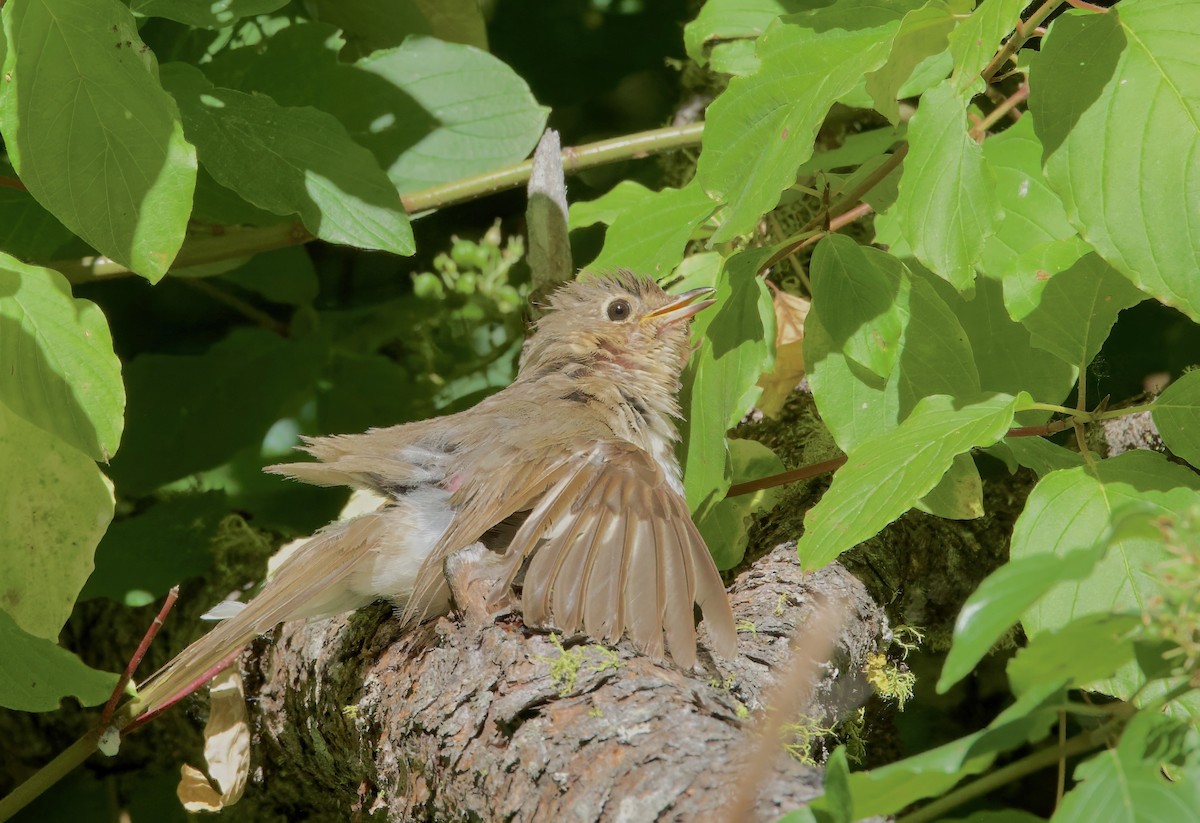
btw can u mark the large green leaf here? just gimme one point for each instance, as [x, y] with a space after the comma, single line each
[1078, 307]
[738, 346]
[762, 127]
[1123, 786]
[1116, 99]
[142, 557]
[429, 111]
[370, 26]
[1177, 416]
[1071, 508]
[54, 506]
[947, 204]
[1091, 648]
[1003, 349]
[860, 292]
[934, 354]
[60, 372]
[291, 161]
[27, 230]
[204, 14]
[609, 206]
[886, 475]
[1031, 211]
[91, 132]
[188, 413]
[722, 23]
[651, 236]
[37, 674]
[921, 35]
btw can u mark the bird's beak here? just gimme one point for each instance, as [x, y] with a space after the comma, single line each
[682, 307]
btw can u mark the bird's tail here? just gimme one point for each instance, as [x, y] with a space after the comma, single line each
[311, 583]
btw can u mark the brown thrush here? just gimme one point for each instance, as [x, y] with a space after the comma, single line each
[569, 474]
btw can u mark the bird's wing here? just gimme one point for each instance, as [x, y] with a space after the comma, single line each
[613, 549]
[390, 461]
[311, 573]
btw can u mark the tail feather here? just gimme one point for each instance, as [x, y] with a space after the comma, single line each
[311, 575]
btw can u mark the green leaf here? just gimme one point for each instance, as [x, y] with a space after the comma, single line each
[370, 26]
[762, 127]
[188, 413]
[886, 475]
[1041, 455]
[1090, 648]
[858, 291]
[56, 506]
[281, 276]
[206, 14]
[1177, 416]
[726, 526]
[651, 236]
[934, 356]
[1004, 353]
[922, 34]
[609, 206]
[1117, 786]
[60, 372]
[947, 205]
[37, 674]
[1116, 103]
[291, 161]
[721, 22]
[855, 150]
[1078, 308]
[1072, 508]
[1002, 598]
[91, 132]
[27, 230]
[429, 111]
[142, 557]
[839, 801]
[359, 392]
[738, 346]
[974, 42]
[1026, 275]
[1031, 212]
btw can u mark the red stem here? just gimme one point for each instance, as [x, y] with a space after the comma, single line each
[127, 675]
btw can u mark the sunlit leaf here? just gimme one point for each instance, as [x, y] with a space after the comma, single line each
[1116, 103]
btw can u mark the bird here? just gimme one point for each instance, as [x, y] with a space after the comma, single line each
[568, 475]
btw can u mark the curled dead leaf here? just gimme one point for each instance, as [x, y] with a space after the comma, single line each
[226, 748]
[790, 312]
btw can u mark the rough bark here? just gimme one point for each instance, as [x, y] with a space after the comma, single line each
[460, 722]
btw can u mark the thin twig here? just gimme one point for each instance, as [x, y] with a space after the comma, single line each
[1024, 30]
[1006, 106]
[127, 675]
[237, 304]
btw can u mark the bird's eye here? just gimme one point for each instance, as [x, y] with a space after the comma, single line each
[619, 310]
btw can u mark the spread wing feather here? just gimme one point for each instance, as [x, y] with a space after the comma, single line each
[612, 548]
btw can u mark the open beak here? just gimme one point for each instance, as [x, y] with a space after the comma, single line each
[682, 307]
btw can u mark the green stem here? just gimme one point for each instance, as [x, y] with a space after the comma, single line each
[1027, 765]
[229, 243]
[48, 775]
[575, 159]
[1114, 413]
[1082, 416]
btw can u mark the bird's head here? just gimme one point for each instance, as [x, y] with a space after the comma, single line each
[621, 325]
